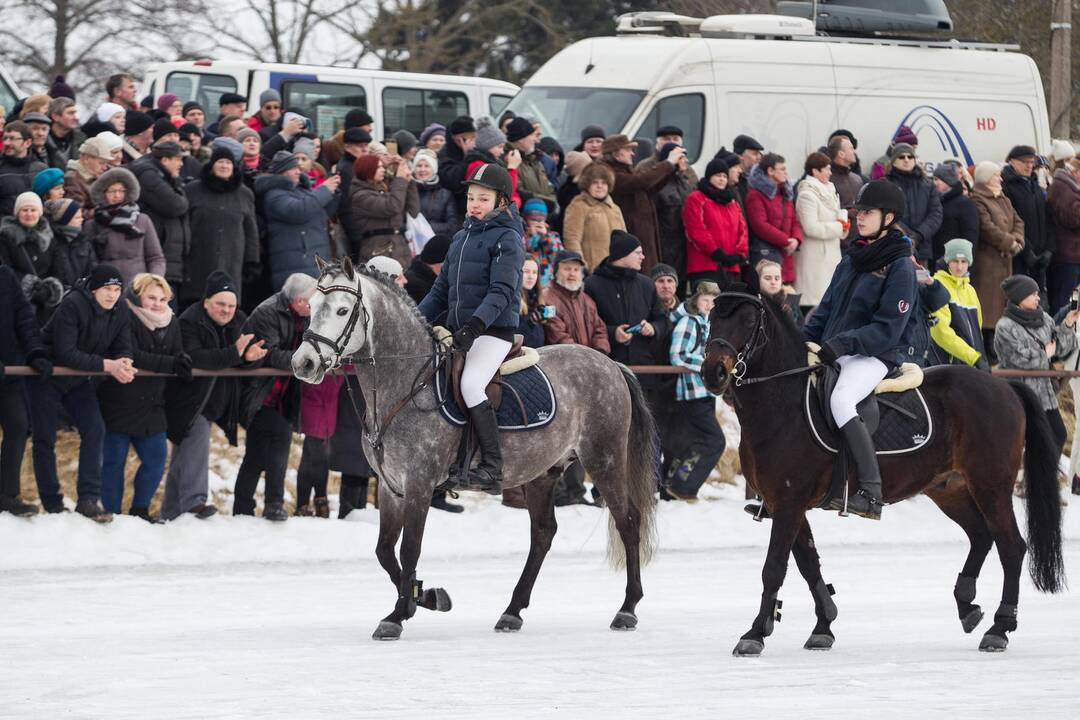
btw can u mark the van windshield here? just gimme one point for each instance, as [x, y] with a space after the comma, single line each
[563, 112]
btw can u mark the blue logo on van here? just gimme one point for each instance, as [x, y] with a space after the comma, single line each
[928, 117]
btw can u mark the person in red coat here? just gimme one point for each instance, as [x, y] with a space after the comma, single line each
[716, 234]
[770, 212]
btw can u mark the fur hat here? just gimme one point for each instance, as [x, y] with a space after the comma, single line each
[984, 171]
[596, 171]
[615, 143]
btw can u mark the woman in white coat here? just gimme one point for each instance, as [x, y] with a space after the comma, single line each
[823, 224]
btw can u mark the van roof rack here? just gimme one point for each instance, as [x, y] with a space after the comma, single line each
[760, 27]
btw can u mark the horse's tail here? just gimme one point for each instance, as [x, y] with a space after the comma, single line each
[642, 461]
[1041, 454]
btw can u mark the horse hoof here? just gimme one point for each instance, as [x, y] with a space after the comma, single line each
[748, 648]
[624, 621]
[818, 641]
[436, 599]
[387, 631]
[993, 643]
[508, 623]
[971, 621]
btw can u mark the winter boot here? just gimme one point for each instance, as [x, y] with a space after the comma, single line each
[54, 505]
[144, 514]
[353, 496]
[439, 502]
[487, 476]
[92, 509]
[274, 512]
[204, 511]
[304, 511]
[17, 507]
[867, 501]
[322, 507]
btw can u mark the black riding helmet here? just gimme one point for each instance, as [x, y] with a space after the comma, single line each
[882, 195]
[494, 177]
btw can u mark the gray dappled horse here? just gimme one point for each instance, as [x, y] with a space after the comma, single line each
[602, 419]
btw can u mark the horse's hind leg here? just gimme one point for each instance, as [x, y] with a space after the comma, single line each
[786, 524]
[539, 497]
[809, 563]
[994, 499]
[956, 502]
[627, 520]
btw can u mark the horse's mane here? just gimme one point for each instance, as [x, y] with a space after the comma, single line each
[782, 329]
[387, 281]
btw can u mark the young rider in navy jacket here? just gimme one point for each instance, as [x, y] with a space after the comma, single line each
[863, 325]
[478, 291]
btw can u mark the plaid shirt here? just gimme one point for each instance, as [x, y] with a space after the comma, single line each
[688, 351]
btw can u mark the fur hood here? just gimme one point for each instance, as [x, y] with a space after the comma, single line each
[109, 177]
[760, 181]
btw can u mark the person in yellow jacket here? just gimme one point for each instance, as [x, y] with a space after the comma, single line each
[957, 331]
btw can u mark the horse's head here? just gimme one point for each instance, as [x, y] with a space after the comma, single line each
[736, 332]
[340, 322]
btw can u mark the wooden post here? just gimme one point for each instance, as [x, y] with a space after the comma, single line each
[1060, 69]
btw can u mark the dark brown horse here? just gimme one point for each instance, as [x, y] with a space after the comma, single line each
[985, 428]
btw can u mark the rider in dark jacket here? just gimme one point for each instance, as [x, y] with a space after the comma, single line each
[863, 326]
[478, 291]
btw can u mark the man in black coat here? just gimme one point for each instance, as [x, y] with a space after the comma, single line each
[628, 304]
[461, 139]
[269, 406]
[20, 342]
[424, 268]
[211, 336]
[1019, 184]
[959, 218]
[17, 166]
[163, 199]
[356, 144]
[89, 332]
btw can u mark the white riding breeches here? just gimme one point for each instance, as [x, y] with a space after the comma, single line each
[859, 375]
[481, 363]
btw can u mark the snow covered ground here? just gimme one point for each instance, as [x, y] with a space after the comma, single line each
[237, 617]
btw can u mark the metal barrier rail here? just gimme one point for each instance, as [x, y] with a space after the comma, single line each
[25, 371]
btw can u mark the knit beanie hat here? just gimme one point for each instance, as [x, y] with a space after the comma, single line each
[104, 276]
[436, 248]
[576, 161]
[534, 206]
[231, 145]
[356, 118]
[165, 101]
[28, 199]
[487, 135]
[518, 129]
[219, 281]
[431, 131]
[46, 180]
[246, 132]
[901, 148]
[984, 171]
[60, 88]
[406, 141]
[592, 131]
[959, 249]
[660, 270]
[283, 161]
[622, 244]
[137, 122]
[365, 167]
[905, 135]
[106, 111]
[222, 152]
[163, 127]
[462, 125]
[268, 96]
[1062, 150]
[716, 166]
[305, 146]
[191, 105]
[1018, 287]
[188, 129]
[62, 210]
[430, 158]
[948, 174]
[385, 264]
[356, 136]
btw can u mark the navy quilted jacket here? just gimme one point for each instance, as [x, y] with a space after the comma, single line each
[481, 275]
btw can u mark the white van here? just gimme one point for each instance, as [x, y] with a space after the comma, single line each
[395, 100]
[773, 78]
[9, 91]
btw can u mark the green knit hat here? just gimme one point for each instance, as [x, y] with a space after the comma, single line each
[959, 249]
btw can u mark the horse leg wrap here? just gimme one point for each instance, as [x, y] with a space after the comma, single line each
[964, 590]
[823, 593]
[411, 595]
[1005, 617]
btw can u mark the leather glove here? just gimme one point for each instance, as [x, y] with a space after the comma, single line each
[466, 336]
[827, 354]
[727, 259]
[982, 364]
[182, 367]
[43, 366]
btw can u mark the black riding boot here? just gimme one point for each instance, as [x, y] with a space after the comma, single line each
[487, 476]
[867, 501]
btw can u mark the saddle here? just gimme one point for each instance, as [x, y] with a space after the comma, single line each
[517, 359]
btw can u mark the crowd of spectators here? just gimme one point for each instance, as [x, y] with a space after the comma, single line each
[159, 235]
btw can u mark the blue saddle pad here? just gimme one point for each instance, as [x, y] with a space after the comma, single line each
[530, 384]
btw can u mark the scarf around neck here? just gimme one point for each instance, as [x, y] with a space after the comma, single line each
[120, 217]
[1031, 319]
[715, 194]
[152, 320]
[870, 256]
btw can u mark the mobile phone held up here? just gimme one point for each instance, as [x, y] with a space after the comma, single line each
[634, 329]
[547, 312]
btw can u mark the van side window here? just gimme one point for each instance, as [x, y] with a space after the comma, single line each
[498, 103]
[7, 96]
[324, 103]
[413, 109]
[203, 88]
[686, 112]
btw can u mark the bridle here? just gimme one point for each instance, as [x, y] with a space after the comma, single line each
[375, 431]
[758, 339]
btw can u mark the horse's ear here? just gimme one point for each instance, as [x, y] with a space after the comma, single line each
[347, 268]
[321, 264]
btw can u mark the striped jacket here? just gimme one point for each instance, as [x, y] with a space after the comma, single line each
[688, 351]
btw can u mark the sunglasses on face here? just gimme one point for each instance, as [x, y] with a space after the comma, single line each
[905, 157]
